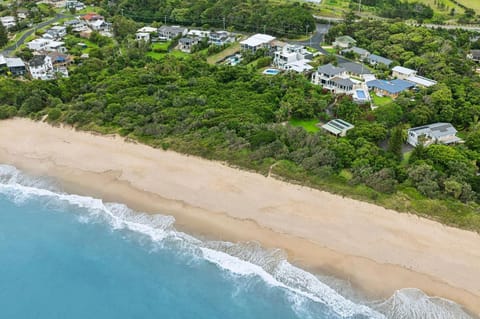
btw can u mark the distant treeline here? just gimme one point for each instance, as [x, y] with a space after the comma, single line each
[290, 19]
[399, 9]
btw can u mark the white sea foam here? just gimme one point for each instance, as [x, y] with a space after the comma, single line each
[246, 260]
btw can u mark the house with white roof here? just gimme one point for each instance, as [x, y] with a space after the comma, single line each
[43, 44]
[344, 42]
[403, 73]
[429, 134]
[293, 57]
[3, 62]
[8, 21]
[257, 42]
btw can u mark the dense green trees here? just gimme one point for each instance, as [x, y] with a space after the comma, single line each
[253, 16]
[3, 36]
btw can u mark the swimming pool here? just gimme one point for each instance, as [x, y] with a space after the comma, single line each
[271, 71]
[361, 95]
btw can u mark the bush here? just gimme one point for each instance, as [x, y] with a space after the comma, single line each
[7, 111]
[54, 114]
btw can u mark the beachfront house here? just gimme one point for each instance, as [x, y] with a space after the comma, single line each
[293, 57]
[41, 67]
[376, 60]
[257, 42]
[167, 32]
[443, 133]
[338, 127]
[344, 42]
[16, 66]
[391, 88]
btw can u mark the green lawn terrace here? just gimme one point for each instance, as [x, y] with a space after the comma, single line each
[310, 126]
[159, 50]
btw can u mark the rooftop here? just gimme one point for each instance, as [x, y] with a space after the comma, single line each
[37, 60]
[337, 126]
[420, 80]
[393, 87]
[379, 59]
[15, 62]
[330, 70]
[402, 70]
[356, 50]
[345, 38]
[356, 68]
[257, 39]
[435, 130]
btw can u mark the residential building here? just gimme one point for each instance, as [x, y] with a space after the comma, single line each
[327, 72]
[220, 38]
[55, 33]
[142, 36]
[8, 21]
[361, 53]
[16, 66]
[41, 67]
[338, 127]
[293, 57]
[74, 4]
[185, 44]
[474, 55]
[200, 33]
[59, 59]
[3, 62]
[375, 60]
[443, 133]
[166, 32]
[344, 42]
[391, 88]
[100, 25]
[257, 42]
[92, 17]
[421, 81]
[358, 70]
[42, 44]
[402, 73]
[22, 13]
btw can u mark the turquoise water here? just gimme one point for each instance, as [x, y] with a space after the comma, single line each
[68, 256]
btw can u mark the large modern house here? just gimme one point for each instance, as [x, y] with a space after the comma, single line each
[166, 32]
[443, 133]
[256, 42]
[293, 57]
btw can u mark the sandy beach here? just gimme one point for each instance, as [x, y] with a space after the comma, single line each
[377, 250]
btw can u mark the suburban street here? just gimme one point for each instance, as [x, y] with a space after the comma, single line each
[8, 50]
[317, 38]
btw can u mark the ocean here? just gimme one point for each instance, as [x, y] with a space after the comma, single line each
[69, 256]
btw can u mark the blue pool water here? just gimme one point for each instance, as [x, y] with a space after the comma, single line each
[69, 256]
[271, 71]
[361, 94]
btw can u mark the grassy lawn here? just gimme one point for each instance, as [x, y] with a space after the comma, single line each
[161, 45]
[330, 49]
[234, 48]
[308, 125]
[380, 100]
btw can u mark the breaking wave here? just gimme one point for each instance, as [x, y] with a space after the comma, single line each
[244, 259]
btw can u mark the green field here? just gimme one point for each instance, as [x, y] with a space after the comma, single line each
[308, 125]
[380, 100]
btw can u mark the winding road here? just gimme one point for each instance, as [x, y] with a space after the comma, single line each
[10, 49]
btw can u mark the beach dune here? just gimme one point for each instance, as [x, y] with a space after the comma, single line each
[377, 250]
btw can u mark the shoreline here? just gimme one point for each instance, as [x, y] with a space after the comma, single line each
[320, 232]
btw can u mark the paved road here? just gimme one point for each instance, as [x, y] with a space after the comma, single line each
[317, 38]
[9, 50]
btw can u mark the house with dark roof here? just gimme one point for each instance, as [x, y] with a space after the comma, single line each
[327, 72]
[41, 67]
[391, 88]
[443, 133]
[186, 43]
[354, 69]
[361, 53]
[375, 60]
[344, 42]
[167, 32]
[220, 38]
[338, 127]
